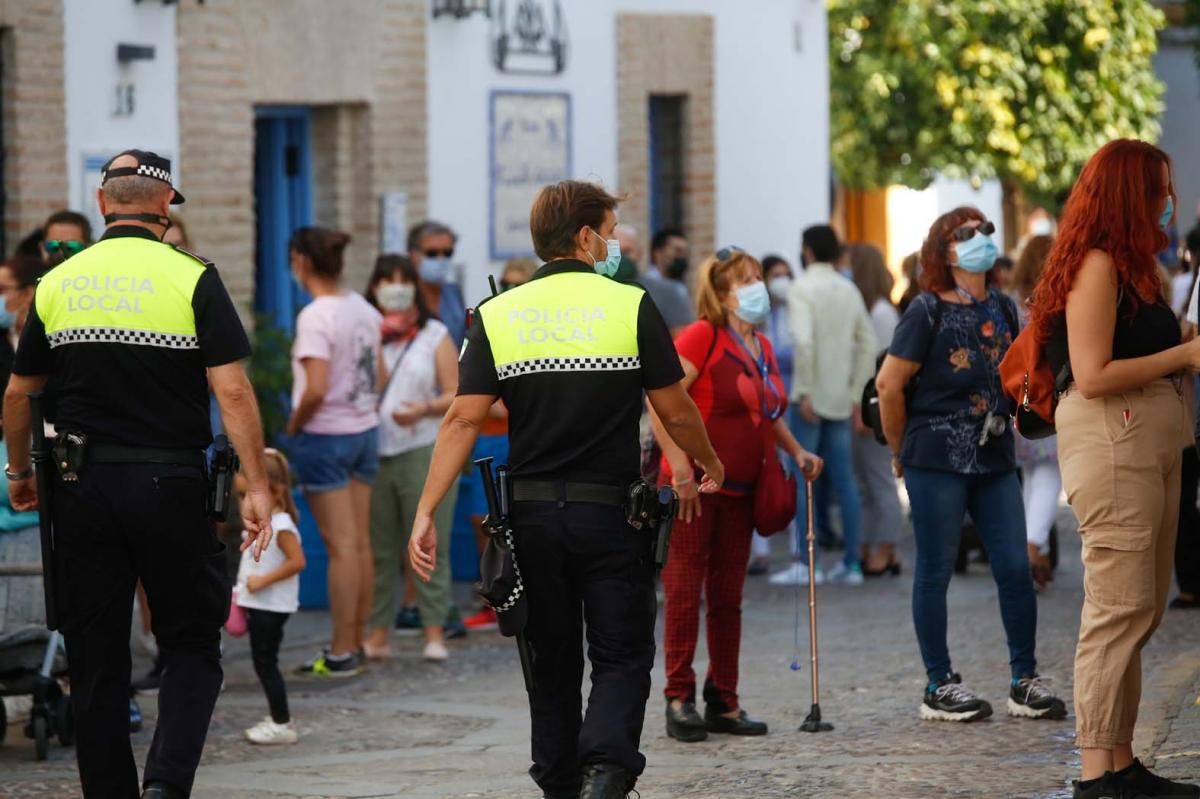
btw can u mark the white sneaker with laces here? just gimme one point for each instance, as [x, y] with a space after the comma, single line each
[435, 652]
[797, 574]
[846, 576]
[268, 733]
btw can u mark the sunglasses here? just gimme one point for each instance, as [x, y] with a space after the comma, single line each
[446, 253]
[966, 232]
[54, 246]
[725, 253]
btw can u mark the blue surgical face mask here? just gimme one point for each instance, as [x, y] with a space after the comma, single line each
[609, 266]
[977, 254]
[8, 319]
[1169, 211]
[434, 269]
[754, 303]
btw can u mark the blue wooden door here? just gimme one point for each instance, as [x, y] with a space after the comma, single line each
[283, 203]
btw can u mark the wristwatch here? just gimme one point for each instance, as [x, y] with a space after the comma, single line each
[24, 474]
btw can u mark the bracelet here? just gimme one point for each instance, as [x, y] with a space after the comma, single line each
[24, 474]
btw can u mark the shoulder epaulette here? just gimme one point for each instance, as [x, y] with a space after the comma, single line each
[207, 263]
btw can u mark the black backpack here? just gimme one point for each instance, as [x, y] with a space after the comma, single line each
[868, 408]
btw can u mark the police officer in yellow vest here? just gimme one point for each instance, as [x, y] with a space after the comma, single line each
[571, 354]
[133, 332]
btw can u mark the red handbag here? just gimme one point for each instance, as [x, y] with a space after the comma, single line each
[774, 491]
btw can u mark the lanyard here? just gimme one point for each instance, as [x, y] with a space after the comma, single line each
[764, 371]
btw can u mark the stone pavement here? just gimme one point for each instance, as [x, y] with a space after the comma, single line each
[420, 731]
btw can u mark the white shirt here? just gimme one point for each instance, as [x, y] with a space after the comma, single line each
[1181, 287]
[884, 319]
[835, 350]
[416, 384]
[280, 597]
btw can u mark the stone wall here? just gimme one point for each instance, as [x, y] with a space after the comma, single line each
[33, 115]
[360, 65]
[669, 55]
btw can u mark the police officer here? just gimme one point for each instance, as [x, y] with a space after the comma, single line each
[133, 332]
[571, 353]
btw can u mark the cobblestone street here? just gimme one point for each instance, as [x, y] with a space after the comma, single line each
[408, 729]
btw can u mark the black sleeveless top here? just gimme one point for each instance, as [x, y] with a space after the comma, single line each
[1151, 328]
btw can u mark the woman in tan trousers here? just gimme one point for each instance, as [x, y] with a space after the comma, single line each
[1122, 424]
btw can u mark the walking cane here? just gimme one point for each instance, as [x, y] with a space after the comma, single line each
[813, 722]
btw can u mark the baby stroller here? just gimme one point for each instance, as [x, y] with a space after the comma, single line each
[31, 658]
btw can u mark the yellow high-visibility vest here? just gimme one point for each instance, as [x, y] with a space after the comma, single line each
[565, 322]
[122, 290]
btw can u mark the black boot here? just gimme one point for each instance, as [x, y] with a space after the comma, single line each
[605, 781]
[160, 790]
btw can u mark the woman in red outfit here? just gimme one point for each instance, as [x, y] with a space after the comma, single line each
[731, 374]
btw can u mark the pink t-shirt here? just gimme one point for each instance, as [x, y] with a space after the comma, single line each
[343, 330]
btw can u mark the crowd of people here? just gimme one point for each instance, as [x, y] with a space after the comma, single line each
[776, 359]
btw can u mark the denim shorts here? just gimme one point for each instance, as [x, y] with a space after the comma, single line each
[328, 462]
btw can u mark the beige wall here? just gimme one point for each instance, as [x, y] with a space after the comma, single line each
[362, 63]
[34, 120]
[661, 54]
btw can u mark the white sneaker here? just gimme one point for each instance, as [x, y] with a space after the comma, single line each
[846, 576]
[268, 733]
[797, 574]
[435, 652]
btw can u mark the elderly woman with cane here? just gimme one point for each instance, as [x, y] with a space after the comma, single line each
[731, 373]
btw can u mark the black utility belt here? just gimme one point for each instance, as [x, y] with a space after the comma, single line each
[563, 492]
[73, 453]
[97, 452]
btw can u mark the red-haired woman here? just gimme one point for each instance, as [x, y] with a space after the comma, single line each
[1122, 425]
[953, 443]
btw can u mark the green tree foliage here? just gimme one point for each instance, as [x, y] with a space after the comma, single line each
[1023, 90]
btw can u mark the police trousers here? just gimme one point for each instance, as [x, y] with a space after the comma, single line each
[584, 567]
[118, 524]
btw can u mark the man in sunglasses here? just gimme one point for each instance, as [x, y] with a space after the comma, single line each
[65, 233]
[431, 249]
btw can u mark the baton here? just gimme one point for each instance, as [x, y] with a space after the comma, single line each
[43, 468]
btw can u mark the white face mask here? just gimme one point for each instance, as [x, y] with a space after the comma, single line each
[393, 297]
[778, 287]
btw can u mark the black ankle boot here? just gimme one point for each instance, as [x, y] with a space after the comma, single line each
[160, 790]
[605, 781]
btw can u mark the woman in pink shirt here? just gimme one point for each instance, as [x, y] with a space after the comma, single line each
[334, 445]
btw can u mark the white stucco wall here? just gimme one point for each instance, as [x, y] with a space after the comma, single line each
[92, 30]
[1176, 66]
[910, 213]
[771, 117]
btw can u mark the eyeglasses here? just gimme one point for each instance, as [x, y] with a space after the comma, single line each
[725, 253]
[446, 253]
[966, 232]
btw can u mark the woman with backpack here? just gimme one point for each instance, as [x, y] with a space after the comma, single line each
[1122, 424]
[946, 420]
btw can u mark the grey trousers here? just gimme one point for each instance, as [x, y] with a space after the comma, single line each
[881, 515]
[393, 509]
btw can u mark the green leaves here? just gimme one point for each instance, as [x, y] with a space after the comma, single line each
[1021, 89]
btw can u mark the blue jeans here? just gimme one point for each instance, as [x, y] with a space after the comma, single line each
[831, 440]
[939, 501]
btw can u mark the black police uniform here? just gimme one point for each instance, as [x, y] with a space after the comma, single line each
[126, 330]
[571, 354]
